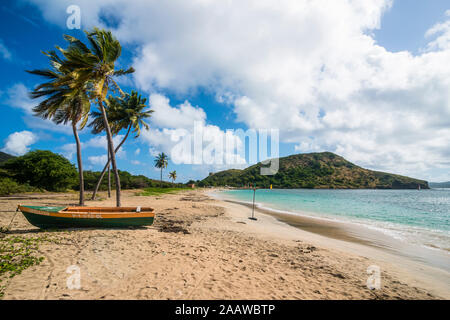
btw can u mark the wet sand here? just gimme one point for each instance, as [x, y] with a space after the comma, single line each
[358, 234]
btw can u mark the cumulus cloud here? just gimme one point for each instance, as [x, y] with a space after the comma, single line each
[101, 141]
[442, 33]
[175, 130]
[17, 97]
[18, 143]
[165, 116]
[4, 52]
[68, 150]
[98, 160]
[310, 68]
[153, 152]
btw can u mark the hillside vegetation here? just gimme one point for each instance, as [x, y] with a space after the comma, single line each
[4, 157]
[314, 170]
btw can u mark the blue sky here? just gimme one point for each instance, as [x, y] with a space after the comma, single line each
[273, 73]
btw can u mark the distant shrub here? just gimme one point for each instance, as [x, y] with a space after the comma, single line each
[127, 181]
[9, 186]
[43, 169]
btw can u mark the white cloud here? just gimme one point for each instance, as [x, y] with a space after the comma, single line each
[184, 123]
[68, 150]
[4, 52]
[96, 142]
[18, 143]
[136, 162]
[122, 154]
[442, 31]
[17, 97]
[152, 151]
[182, 116]
[98, 160]
[137, 151]
[101, 142]
[310, 68]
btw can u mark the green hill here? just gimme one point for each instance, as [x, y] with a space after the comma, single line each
[314, 170]
[5, 157]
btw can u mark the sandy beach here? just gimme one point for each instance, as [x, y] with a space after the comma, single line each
[204, 248]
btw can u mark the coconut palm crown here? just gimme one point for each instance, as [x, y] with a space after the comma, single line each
[173, 176]
[65, 101]
[94, 68]
[128, 112]
[161, 162]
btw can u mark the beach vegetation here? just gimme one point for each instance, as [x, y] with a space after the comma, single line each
[17, 254]
[130, 113]
[64, 103]
[55, 170]
[9, 186]
[127, 181]
[155, 191]
[95, 67]
[173, 176]
[82, 76]
[40, 169]
[161, 162]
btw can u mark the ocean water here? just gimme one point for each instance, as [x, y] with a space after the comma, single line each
[416, 217]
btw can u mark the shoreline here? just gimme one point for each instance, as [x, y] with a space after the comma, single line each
[351, 231]
[424, 227]
[351, 238]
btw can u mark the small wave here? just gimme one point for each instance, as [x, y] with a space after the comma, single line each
[421, 236]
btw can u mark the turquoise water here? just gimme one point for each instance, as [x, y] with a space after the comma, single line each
[420, 217]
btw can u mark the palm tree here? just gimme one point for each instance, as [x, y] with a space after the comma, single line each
[95, 67]
[123, 113]
[98, 127]
[173, 176]
[64, 103]
[161, 162]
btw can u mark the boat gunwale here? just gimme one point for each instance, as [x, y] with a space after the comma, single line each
[89, 214]
[107, 209]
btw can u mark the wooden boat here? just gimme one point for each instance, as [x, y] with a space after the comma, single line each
[79, 217]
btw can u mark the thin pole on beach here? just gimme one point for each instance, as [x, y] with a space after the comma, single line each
[253, 208]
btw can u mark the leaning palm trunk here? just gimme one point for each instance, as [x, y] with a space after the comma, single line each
[109, 174]
[111, 147]
[107, 166]
[80, 163]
